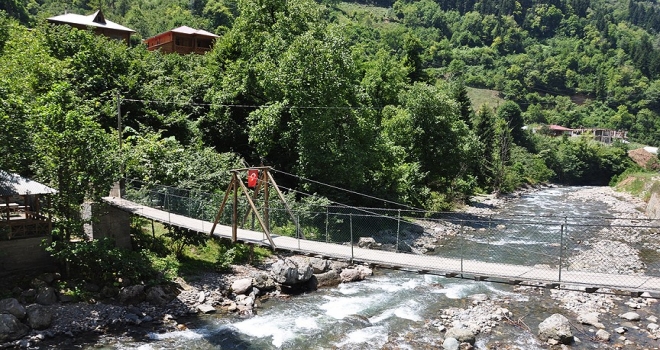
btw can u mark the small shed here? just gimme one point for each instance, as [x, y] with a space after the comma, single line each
[21, 207]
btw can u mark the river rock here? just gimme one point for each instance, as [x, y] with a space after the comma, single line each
[357, 321]
[46, 296]
[590, 318]
[205, 308]
[132, 294]
[292, 271]
[38, 317]
[106, 292]
[156, 295]
[338, 265]
[11, 328]
[556, 327]
[327, 279]
[368, 243]
[630, 316]
[602, 335]
[12, 306]
[319, 265]
[450, 344]
[349, 275]
[462, 335]
[264, 282]
[242, 286]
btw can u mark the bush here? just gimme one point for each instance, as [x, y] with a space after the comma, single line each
[232, 254]
[100, 262]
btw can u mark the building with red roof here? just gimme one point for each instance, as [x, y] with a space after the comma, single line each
[182, 40]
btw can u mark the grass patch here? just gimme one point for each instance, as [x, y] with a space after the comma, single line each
[210, 256]
[639, 184]
[480, 97]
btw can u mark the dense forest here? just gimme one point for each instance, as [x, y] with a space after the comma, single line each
[371, 96]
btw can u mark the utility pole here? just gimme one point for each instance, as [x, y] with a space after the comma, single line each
[121, 183]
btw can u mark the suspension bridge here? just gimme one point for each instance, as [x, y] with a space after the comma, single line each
[546, 268]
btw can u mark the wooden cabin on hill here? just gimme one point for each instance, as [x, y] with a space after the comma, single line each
[97, 22]
[182, 40]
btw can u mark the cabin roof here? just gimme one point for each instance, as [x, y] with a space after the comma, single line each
[188, 30]
[96, 20]
[559, 128]
[13, 184]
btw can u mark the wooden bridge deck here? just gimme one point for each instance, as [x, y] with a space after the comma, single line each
[450, 267]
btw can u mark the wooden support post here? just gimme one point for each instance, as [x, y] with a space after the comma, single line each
[266, 211]
[286, 206]
[234, 217]
[222, 206]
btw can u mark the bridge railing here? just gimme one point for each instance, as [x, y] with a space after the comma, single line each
[563, 244]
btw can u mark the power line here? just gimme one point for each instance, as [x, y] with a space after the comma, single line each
[348, 191]
[245, 105]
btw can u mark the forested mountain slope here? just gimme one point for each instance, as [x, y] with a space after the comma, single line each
[369, 96]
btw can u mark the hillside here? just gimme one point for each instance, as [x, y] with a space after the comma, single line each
[383, 98]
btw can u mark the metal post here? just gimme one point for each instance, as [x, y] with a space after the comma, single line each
[298, 229]
[327, 219]
[351, 229]
[462, 242]
[398, 230]
[561, 249]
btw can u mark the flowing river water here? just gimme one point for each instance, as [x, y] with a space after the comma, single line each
[396, 309]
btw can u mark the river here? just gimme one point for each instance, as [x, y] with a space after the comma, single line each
[403, 310]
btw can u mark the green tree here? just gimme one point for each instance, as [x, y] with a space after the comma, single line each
[73, 154]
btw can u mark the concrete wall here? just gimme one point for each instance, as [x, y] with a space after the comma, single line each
[24, 254]
[108, 222]
[653, 207]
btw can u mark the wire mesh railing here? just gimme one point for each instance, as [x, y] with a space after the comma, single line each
[583, 250]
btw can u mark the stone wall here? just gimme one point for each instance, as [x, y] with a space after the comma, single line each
[108, 221]
[24, 254]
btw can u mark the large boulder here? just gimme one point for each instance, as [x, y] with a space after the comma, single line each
[291, 272]
[39, 317]
[132, 294]
[46, 296]
[327, 279]
[242, 286]
[556, 328]
[11, 328]
[12, 306]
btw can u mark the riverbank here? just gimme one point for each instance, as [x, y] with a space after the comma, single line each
[630, 322]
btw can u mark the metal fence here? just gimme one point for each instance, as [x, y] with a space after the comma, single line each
[583, 250]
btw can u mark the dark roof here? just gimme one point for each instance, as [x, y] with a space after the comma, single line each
[13, 184]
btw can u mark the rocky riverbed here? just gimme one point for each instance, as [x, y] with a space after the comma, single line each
[41, 313]
[561, 318]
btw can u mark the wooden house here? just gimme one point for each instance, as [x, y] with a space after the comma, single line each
[182, 40]
[21, 207]
[96, 22]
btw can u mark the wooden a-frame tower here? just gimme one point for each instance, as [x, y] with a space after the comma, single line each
[264, 181]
